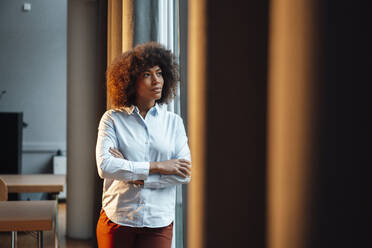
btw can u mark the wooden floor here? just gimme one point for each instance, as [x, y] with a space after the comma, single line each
[28, 239]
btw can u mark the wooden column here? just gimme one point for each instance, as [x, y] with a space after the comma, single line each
[196, 121]
[291, 118]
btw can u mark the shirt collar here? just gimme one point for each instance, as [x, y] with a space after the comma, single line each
[128, 109]
[154, 110]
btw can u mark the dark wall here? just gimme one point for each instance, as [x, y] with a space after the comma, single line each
[338, 217]
[237, 38]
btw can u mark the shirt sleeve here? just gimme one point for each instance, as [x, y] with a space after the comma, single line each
[115, 168]
[182, 151]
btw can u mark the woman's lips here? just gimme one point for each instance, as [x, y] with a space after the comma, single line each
[157, 90]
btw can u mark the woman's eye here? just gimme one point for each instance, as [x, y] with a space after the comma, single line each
[159, 74]
[146, 74]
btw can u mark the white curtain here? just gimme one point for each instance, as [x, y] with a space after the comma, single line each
[168, 35]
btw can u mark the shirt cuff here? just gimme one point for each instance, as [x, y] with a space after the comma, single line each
[152, 181]
[141, 170]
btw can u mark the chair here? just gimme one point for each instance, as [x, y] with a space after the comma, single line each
[3, 191]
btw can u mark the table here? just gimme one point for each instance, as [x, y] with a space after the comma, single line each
[28, 216]
[32, 183]
[28, 183]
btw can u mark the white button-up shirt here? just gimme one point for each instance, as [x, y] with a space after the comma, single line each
[160, 136]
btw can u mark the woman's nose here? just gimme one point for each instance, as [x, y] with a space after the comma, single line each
[155, 78]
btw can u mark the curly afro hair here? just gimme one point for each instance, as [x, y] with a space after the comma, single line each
[122, 74]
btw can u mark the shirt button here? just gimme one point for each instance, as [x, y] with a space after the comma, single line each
[146, 142]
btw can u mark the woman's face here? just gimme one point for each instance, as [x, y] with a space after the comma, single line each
[150, 84]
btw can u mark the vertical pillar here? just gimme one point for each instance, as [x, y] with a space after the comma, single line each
[227, 123]
[196, 120]
[85, 98]
[291, 133]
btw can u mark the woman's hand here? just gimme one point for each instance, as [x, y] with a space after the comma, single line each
[139, 182]
[179, 167]
[116, 153]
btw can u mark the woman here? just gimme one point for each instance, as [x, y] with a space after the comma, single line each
[142, 151]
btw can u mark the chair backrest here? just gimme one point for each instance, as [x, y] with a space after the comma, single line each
[3, 190]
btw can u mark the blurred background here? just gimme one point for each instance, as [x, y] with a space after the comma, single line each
[274, 95]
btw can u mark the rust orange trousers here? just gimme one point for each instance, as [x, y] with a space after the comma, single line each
[112, 235]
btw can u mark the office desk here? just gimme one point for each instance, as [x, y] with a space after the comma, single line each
[28, 183]
[28, 216]
[32, 183]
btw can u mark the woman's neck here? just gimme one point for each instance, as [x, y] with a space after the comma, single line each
[144, 107]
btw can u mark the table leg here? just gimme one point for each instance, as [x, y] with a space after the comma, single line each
[40, 239]
[54, 196]
[56, 224]
[14, 239]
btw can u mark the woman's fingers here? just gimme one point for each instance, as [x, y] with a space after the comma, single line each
[139, 182]
[185, 171]
[113, 152]
[185, 168]
[181, 173]
[116, 153]
[185, 163]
